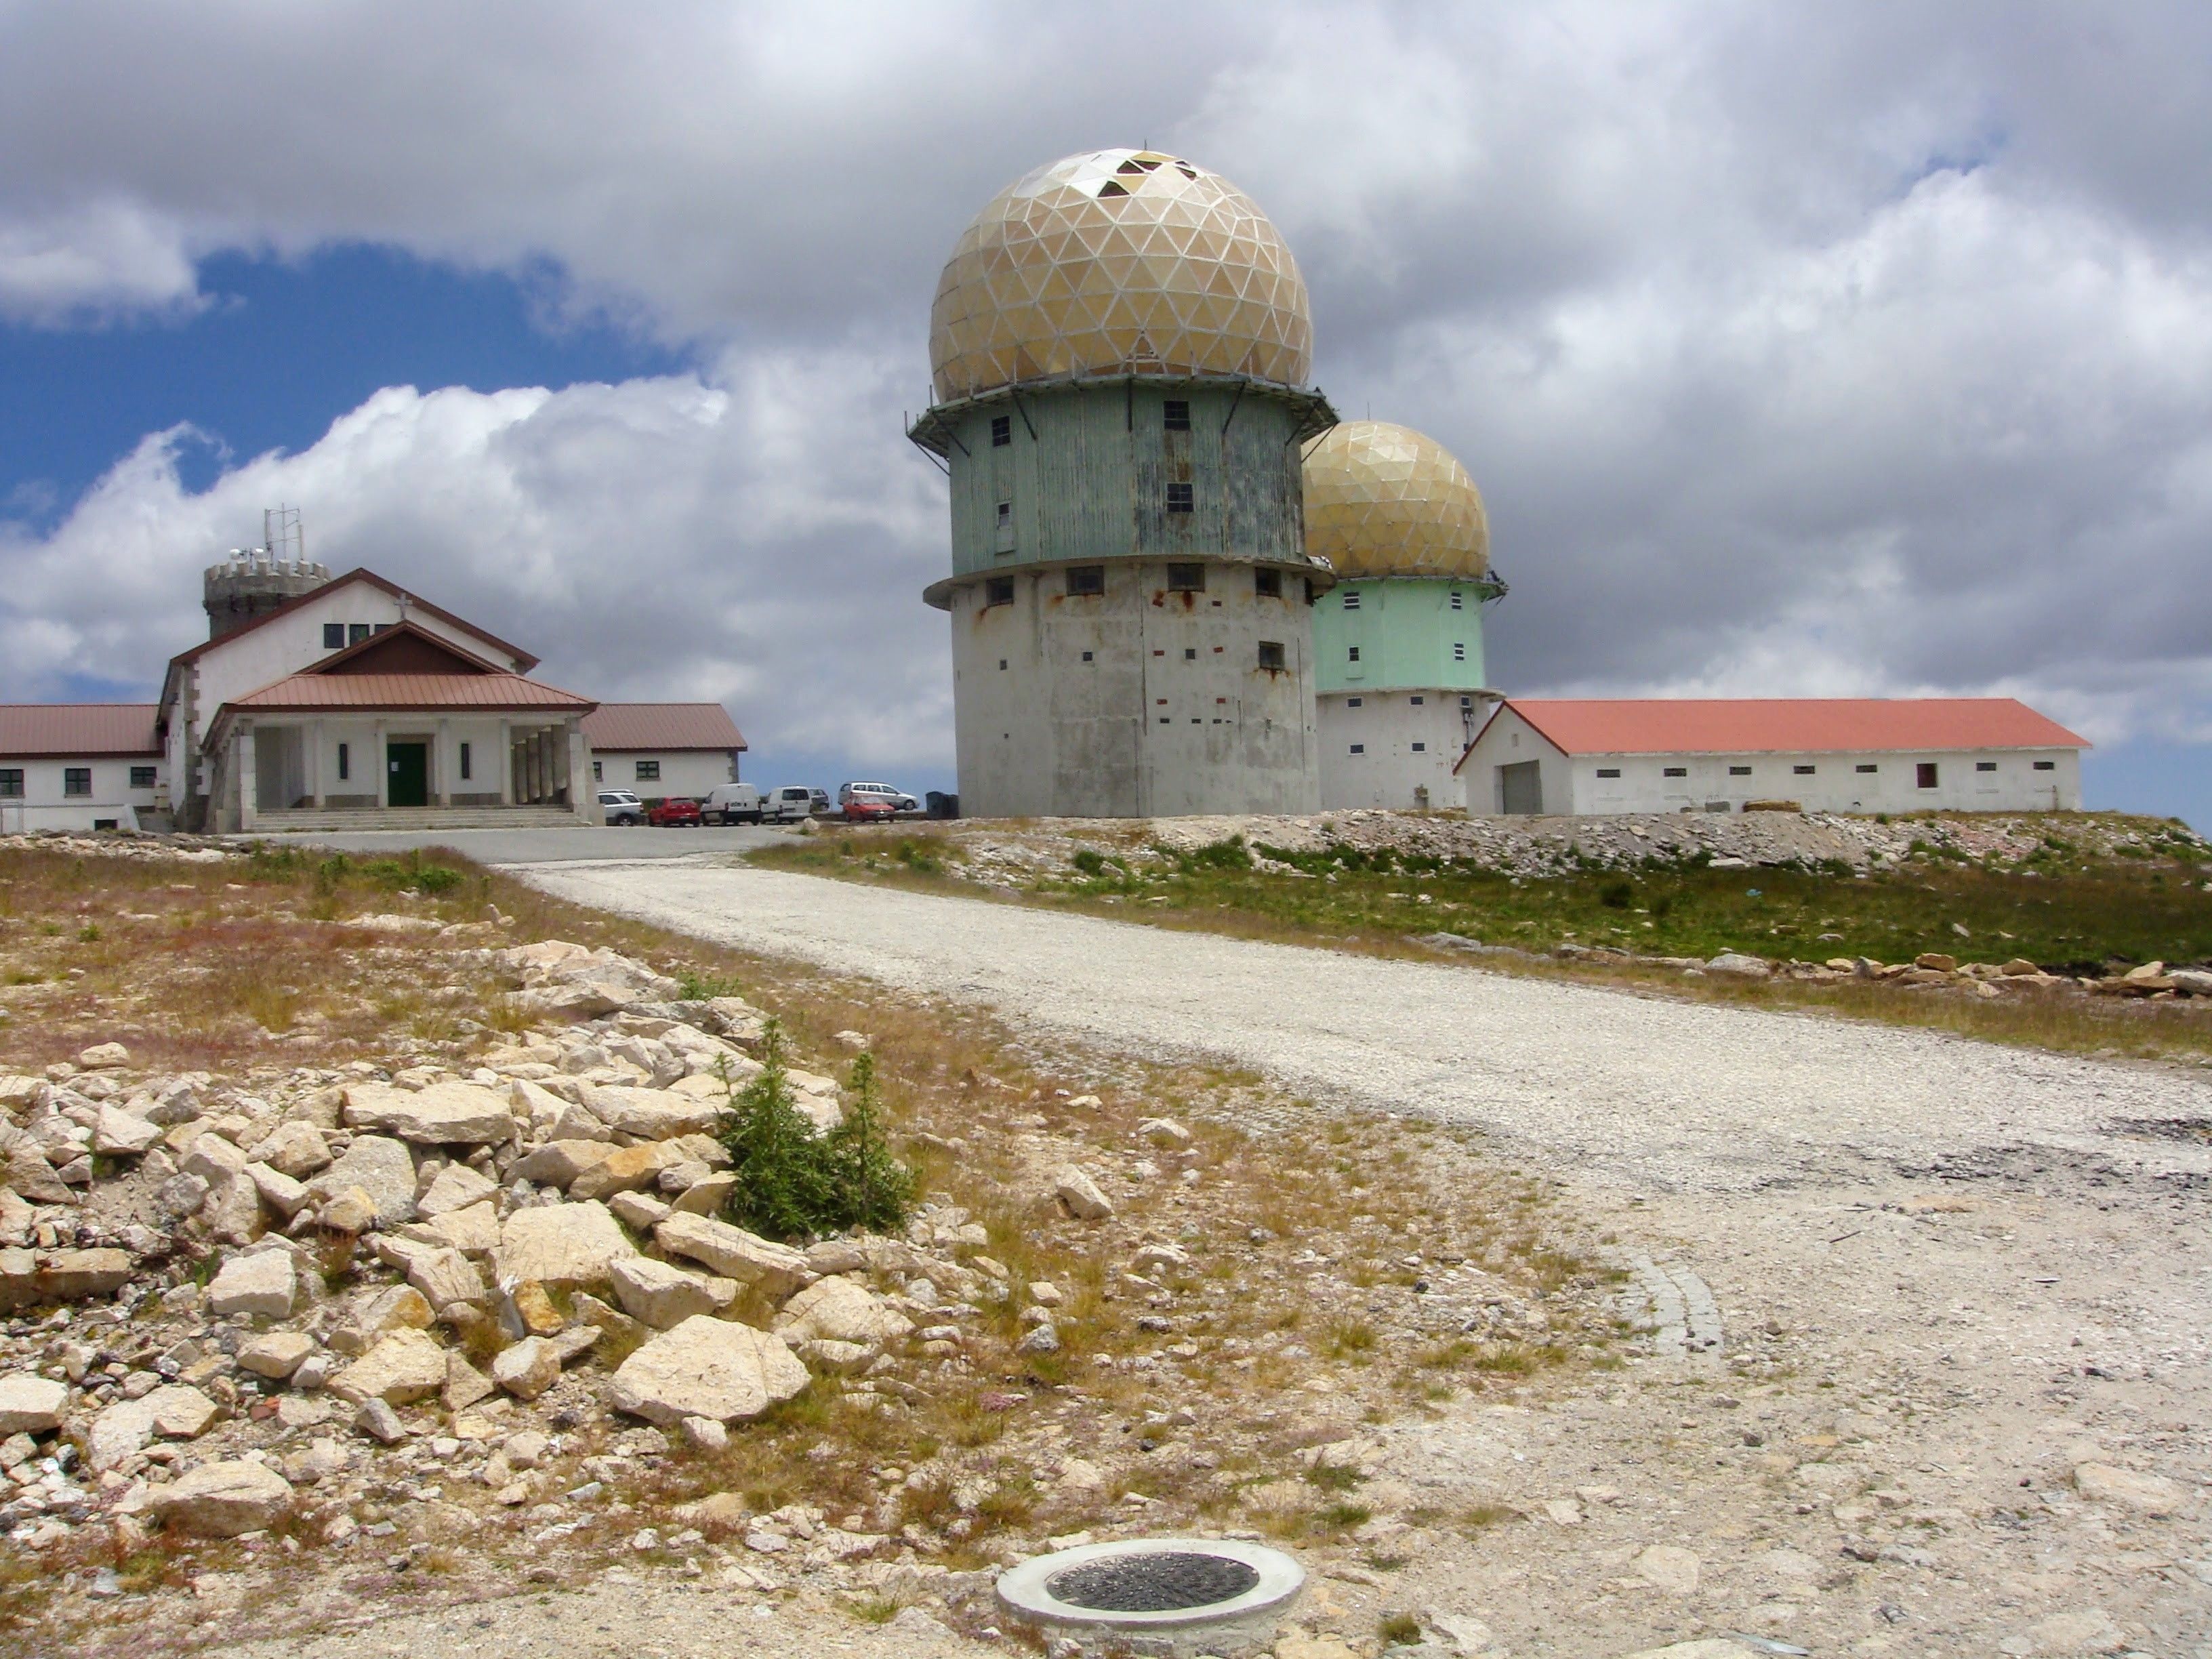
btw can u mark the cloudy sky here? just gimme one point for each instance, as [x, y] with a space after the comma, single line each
[1797, 349]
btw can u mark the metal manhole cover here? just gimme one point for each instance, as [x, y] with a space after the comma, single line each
[1158, 1581]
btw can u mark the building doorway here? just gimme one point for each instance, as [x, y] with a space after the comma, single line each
[1521, 788]
[407, 770]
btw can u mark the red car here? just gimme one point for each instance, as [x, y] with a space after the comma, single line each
[861, 810]
[674, 813]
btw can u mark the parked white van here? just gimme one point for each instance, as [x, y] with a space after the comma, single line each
[731, 802]
[788, 803]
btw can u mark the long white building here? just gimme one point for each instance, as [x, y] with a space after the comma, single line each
[1821, 754]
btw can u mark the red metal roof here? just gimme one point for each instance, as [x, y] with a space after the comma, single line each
[411, 692]
[1800, 726]
[625, 726]
[77, 731]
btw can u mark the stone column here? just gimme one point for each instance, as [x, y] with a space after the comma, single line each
[444, 764]
[583, 798]
[382, 762]
[316, 793]
[245, 760]
[507, 762]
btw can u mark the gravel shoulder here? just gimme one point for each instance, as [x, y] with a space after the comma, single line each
[1952, 1393]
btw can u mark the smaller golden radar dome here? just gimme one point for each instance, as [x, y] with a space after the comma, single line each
[1118, 262]
[1387, 501]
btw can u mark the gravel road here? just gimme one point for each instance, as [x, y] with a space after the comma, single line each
[1636, 1091]
[1934, 1373]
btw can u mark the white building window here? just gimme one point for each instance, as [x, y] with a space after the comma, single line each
[1459, 652]
[1867, 766]
[1675, 771]
[1986, 766]
[1351, 601]
[1802, 771]
[1608, 771]
[76, 779]
[1455, 599]
[1353, 702]
[1417, 702]
[142, 777]
[2047, 766]
[11, 783]
[1359, 747]
[1738, 771]
[467, 760]
[1420, 748]
[1925, 775]
[648, 771]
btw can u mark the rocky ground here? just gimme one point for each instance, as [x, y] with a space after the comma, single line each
[1923, 1365]
[294, 1347]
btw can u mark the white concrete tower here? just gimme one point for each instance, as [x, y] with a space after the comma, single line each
[1120, 344]
[1398, 642]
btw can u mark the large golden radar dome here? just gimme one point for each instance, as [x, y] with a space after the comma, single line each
[1387, 501]
[1117, 262]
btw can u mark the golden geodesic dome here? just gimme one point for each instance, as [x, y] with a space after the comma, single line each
[1387, 501]
[1116, 262]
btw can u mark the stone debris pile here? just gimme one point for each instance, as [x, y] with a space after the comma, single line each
[227, 1308]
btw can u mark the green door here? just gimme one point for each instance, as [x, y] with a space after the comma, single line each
[407, 765]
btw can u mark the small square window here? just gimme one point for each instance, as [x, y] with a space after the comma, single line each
[1087, 656]
[1187, 578]
[1456, 604]
[1738, 771]
[1420, 748]
[1925, 775]
[333, 637]
[1359, 747]
[2047, 766]
[467, 761]
[648, 771]
[1986, 766]
[1271, 654]
[1675, 771]
[1351, 601]
[1467, 702]
[598, 771]
[76, 779]
[1352, 654]
[1084, 580]
[11, 783]
[381, 627]
[1459, 653]
[1002, 664]
[1163, 719]
[1417, 702]
[1353, 702]
[1005, 515]
[1179, 498]
[1608, 771]
[1002, 431]
[1866, 766]
[357, 632]
[142, 777]
[345, 762]
[1802, 771]
[998, 590]
[1175, 414]
[1267, 584]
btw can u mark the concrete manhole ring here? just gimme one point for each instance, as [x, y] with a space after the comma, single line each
[1158, 1595]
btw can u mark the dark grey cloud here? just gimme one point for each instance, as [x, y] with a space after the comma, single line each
[1797, 348]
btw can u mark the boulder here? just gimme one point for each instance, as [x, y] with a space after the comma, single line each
[1078, 1194]
[1739, 965]
[651, 1114]
[223, 1500]
[445, 1113]
[180, 1411]
[448, 1278]
[382, 1168]
[707, 1367]
[528, 1367]
[29, 1174]
[706, 1197]
[406, 1366]
[627, 1169]
[295, 1148]
[1937, 962]
[27, 1278]
[474, 1231]
[120, 1430]
[119, 1134]
[232, 1212]
[263, 1283]
[276, 1355]
[840, 1310]
[661, 1295]
[464, 1384]
[560, 1244]
[776, 1270]
[279, 1191]
[352, 1211]
[557, 1162]
[1163, 1132]
[32, 1404]
[104, 1056]
[456, 1187]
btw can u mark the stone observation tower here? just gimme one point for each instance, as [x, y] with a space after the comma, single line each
[1120, 347]
[255, 581]
[1398, 642]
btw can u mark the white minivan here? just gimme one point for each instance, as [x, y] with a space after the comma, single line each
[789, 803]
[731, 802]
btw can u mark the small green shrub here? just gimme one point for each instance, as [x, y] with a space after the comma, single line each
[794, 1183]
[1616, 894]
[1398, 1630]
[1089, 862]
